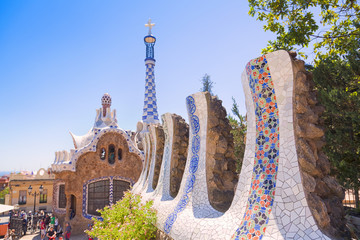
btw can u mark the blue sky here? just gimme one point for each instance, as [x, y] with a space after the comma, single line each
[57, 58]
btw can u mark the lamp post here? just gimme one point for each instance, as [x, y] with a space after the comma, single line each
[41, 189]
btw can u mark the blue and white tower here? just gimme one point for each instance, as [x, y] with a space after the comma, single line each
[150, 114]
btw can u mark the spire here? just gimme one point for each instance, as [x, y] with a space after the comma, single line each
[150, 42]
[106, 103]
[150, 114]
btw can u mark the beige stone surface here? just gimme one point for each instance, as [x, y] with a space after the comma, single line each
[37, 237]
[323, 194]
[179, 153]
[221, 175]
[160, 141]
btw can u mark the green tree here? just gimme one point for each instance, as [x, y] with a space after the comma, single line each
[2, 195]
[4, 192]
[127, 219]
[207, 84]
[238, 130]
[334, 32]
[337, 81]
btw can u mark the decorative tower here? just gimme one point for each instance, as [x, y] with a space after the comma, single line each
[104, 116]
[106, 103]
[150, 114]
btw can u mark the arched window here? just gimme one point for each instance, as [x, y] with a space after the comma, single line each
[119, 187]
[98, 196]
[119, 154]
[103, 154]
[102, 192]
[111, 157]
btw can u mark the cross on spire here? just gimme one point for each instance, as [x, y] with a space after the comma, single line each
[149, 25]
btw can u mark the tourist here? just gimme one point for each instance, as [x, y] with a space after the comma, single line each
[42, 229]
[47, 220]
[11, 235]
[51, 234]
[24, 224]
[59, 231]
[52, 220]
[56, 223]
[67, 231]
[72, 214]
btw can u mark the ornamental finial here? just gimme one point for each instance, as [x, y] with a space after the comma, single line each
[149, 25]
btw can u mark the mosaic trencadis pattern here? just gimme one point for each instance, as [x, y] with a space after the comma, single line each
[262, 191]
[190, 181]
[150, 107]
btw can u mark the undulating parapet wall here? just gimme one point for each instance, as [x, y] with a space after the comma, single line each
[324, 195]
[171, 142]
[283, 190]
[221, 176]
[179, 153]
[159, 138]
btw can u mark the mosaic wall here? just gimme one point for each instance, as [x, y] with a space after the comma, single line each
[269, 201]
[262, 191]
[195, 147]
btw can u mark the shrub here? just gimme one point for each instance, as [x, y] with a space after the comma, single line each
[127, 219]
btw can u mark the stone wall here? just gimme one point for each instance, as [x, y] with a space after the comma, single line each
[160, 235]
[89, 166]
[284, 189]
[149, 152]
[160, 141]
[324, 195]
[179, 153]
[221, 173]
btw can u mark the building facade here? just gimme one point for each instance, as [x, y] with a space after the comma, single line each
[95, 174]
[19, 184]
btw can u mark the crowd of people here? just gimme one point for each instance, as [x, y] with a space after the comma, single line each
[48, 224]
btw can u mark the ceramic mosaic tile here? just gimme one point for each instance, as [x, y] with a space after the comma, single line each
[269, 201]
[150, 114]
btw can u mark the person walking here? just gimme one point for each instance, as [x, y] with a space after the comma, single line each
[67, 231]
[24, 224]
[42, 229]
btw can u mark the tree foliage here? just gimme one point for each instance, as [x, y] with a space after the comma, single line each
[334, 31]
[127, 219]
[4, 192]
[335, 34]
[337, 81]
[238, 130]
[207, 84]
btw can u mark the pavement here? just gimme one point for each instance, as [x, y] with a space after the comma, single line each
[36, 236]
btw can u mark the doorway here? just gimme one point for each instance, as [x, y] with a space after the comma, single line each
[72, 207]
